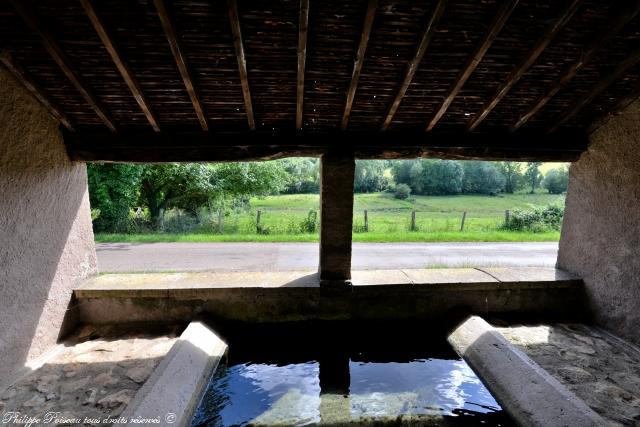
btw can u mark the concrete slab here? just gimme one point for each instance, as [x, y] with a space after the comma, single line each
[530, 275]
[175, 387]
[379, 277]
[526, 391]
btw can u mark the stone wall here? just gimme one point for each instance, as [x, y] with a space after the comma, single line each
[46, 239]
[601, 232]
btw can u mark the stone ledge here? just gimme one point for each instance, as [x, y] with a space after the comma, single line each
[193, 285]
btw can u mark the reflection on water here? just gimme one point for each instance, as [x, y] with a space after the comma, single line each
[344, 373]
[396, 392]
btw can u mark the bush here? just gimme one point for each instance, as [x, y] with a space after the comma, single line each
[537, 219]
[402, 191]
[310, 223]
[556, 180]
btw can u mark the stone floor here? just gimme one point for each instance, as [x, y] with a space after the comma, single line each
[601, 369]
[96, 374]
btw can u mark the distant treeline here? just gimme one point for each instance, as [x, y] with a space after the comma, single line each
[115, 189]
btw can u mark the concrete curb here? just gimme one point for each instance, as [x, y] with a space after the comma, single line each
[526, 391]
[175, 387]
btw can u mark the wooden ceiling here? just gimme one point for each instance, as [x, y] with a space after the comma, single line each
[412, 70]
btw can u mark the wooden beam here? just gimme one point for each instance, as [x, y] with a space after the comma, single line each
[622, 18]
[564, 145]
[525, 63]
[25, 10]
[359, 60]
[234, 20]
[302, 58]
[598, 88]
[121, 65]
[617, 107]
[412, 66]
[490, 35]
[36, 90]
[172, 37]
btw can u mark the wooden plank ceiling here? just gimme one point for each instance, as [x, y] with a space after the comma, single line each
[471, 69]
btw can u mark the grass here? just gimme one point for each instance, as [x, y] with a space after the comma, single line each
[437, 219]
[451, 236]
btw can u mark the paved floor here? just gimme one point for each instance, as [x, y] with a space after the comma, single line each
[132, 257]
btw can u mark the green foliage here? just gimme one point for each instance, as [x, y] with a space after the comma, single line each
[310, 223]
[370, 176]
[482, 178]
[429, 176]
[556, 180]
[113, 190]
[536, 219]
[303, 175]
[513, 178]
[402, 191]
[532, 175]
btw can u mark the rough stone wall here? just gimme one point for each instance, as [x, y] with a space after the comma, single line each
[46, 239]
[601, 232]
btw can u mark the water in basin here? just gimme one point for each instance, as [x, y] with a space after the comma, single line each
[345, 374]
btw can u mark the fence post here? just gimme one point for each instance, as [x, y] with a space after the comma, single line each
[366, 221]
[413, 221]
[464, 216]
[258, 226]
[220, 220]
[506, 217]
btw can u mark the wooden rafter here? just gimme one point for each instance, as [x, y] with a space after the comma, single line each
[490, 35]
[120, 63]
[234, 20]
[172, 37]
[626, 14]
[36, 90]
[598, 88]
[26, 12]
[302, 58]
[359, 60]
[550, 32]
[412, 66]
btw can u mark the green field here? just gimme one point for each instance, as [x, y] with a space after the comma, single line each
[438, 219]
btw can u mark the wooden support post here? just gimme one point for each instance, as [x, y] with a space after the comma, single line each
[366, 221]
[506, 217]
[413, 221]
[336, 217]
[464, 216]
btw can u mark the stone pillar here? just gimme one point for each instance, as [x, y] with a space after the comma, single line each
[336, 220]
[600, 239]
[46, 238]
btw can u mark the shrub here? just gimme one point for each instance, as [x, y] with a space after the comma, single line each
[556, 180]
[310, 223]
[402, 191]
[536, 219]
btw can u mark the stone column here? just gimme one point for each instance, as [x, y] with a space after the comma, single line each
[336, 221]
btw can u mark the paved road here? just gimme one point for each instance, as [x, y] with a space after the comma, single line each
[132, 257]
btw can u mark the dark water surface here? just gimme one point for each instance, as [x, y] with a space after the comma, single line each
[344, 373]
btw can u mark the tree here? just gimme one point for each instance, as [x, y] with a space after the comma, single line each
[512, 172]
[556, 180]
[370, 176]
[303, 175]
[113, 190]
[481, 178]
[164, 186]
[532, 175]
[433, 177]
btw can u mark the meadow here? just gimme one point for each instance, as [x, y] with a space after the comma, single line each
[291, 218]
